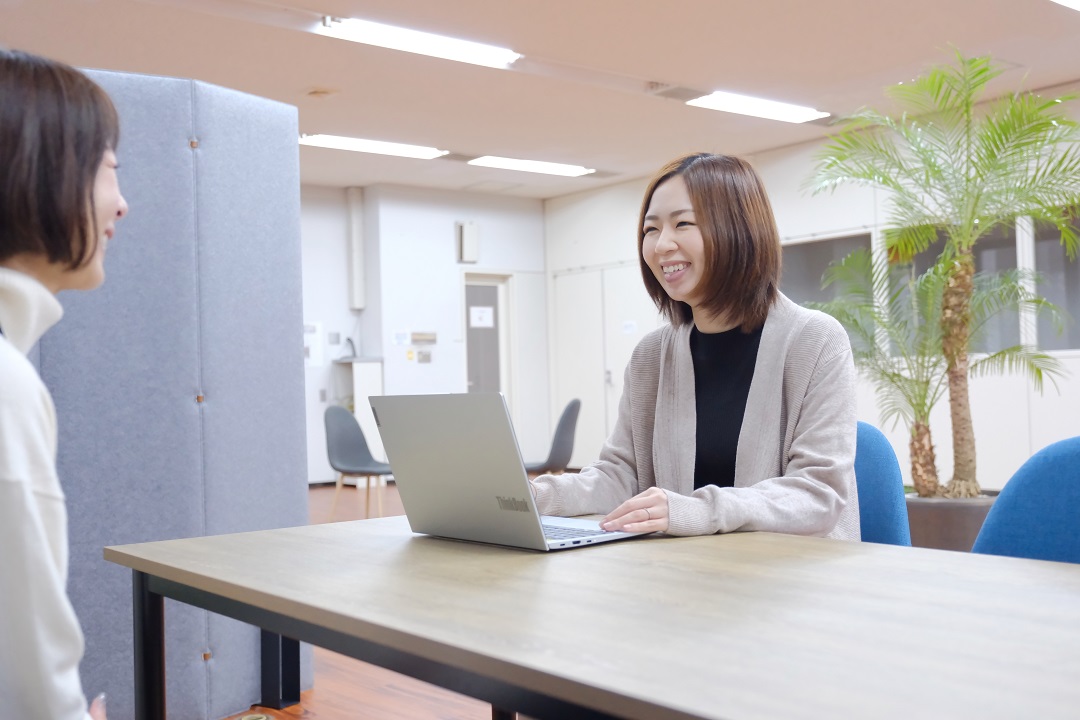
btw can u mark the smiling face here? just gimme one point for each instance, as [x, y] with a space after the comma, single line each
[109, 207]
[710, 253]
[672, 245]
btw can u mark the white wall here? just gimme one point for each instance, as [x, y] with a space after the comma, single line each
[593, 229]
[415, 284]
[324, 243]
[423, 290]
[799, 215]
[588, 231]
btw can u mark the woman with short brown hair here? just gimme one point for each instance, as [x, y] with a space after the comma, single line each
[59, 204]
[740, 414]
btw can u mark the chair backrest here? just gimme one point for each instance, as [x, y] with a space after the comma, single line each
[345, 444]
[562, 443]
[883, 514]
[1037, 513]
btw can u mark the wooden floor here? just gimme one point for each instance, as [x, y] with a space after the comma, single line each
[347, 689]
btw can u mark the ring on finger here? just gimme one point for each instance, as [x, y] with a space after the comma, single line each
[648, 514]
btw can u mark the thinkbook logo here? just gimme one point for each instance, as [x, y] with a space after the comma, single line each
[507, 503]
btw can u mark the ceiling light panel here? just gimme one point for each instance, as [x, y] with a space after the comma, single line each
[534, 166]
[757, 107]
[337, 142]
[414, 41]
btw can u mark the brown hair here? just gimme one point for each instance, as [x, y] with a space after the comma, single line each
[742, 245]
[55, 126]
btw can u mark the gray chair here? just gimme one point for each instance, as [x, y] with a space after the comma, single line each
[349, 455]
[562, 444]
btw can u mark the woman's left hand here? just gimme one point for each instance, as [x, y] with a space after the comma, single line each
[646, 512]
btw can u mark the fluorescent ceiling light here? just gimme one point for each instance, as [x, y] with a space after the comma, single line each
[1073, 4]
[414, 41]
[757, 107]
[337, 142]
[536, 166]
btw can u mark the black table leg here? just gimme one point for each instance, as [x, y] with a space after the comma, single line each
[280, 671]
[149, 627]
[290, 671]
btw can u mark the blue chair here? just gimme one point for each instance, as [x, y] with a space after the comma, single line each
[1037, 514]
[883, 514]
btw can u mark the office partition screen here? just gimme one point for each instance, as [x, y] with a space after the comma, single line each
[179, 384]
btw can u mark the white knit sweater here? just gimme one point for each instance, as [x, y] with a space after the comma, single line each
[40, 640]
[794, 469]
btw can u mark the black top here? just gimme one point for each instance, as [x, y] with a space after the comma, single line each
[723, 369]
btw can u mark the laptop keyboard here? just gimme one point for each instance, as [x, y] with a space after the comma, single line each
[566, 533]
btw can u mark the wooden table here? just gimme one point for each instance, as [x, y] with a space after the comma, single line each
[735, 626]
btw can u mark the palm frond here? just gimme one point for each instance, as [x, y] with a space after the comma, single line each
[1063, 223]
[948, 163]
[895, 338]
[1036, 365]
[1009, 291]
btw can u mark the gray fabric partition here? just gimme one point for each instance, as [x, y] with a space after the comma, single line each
[203, 299]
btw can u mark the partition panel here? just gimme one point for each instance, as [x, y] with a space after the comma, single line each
[251, 326]
[202, 298]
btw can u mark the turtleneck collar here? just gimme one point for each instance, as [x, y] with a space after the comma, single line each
[27, 309]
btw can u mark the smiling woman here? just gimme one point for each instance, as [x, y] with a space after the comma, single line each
[735, 282]
[59, 204]
[61, 196]
[740, 414]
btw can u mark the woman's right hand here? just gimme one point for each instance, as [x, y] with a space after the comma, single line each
[97, 708]
[645, 512]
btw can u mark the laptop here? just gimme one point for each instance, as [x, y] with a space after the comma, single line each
[459, 473]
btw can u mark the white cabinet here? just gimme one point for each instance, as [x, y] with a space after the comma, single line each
[600, 316]
[365, 379]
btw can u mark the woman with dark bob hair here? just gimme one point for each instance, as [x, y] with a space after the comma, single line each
[59, 204]
[740, 414]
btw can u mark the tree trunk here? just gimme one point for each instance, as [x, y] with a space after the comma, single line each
[956, 331]
[923, 463]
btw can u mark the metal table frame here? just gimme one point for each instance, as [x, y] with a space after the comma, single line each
[281, 638]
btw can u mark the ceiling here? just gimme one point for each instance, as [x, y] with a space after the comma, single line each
[585, 93]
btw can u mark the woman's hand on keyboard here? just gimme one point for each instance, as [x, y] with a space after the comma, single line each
[646, 512]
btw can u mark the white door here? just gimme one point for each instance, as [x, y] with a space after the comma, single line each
[629, 315]
[579, 359]
[600, 316]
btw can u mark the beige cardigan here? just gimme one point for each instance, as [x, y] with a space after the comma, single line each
[794, 469]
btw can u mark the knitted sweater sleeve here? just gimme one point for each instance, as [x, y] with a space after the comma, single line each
[817, 482]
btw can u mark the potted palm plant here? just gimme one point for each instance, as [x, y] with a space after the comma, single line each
[893, 317]
[956, 170]
[892, 320]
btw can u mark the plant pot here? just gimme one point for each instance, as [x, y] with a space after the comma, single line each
[945, 523]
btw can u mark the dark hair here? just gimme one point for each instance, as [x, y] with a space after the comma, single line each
[742, 245]
[55, 126]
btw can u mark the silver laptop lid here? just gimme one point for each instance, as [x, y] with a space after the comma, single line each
[458, 468]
